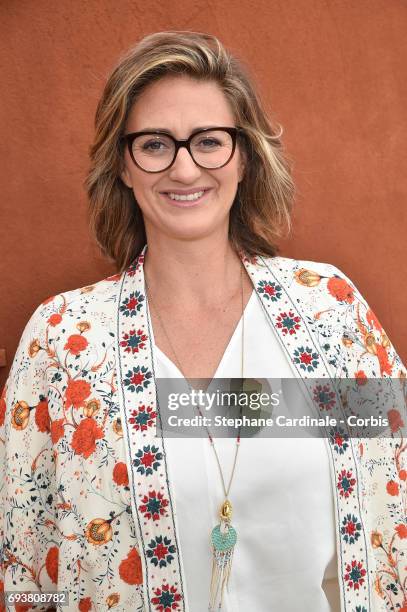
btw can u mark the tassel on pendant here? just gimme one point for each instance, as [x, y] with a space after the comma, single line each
[223, 539]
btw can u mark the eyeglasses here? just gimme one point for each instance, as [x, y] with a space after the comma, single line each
[156, 151]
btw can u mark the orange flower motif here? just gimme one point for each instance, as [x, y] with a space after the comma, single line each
[75, 344]
[373, 320]
[20, 415]
[42, 416]
[117, 426]
[99, 531]
[54, 319]
[112, 600]
[361, 378]
[392, 488]
[2, 411]
[77, 392]
[402, 474]
[83, 326]
[340, 290]
[402, 531]
[385, 366]
[130, 568]
[34, 348]
[91, 408]
[51, 563]
[395, 420]
[22, 607]
[85, 604]
[376, 539]
[57, 430]
[120, 475]
[307, 278]
[85, 436]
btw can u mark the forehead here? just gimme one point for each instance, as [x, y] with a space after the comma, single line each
[180, 104]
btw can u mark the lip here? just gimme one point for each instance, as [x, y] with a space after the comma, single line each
[186, 203]
[186, 191]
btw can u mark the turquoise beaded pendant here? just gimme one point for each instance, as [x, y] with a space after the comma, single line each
[223, 539]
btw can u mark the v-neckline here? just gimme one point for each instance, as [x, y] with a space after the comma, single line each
[173, 366]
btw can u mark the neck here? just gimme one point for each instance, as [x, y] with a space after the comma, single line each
[195, 272]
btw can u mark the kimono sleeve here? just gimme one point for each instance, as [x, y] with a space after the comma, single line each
[369, 356]
[29, 555]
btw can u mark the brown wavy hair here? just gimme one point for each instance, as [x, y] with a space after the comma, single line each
[261, 211]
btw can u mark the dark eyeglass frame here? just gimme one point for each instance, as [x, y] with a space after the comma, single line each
[232, 131]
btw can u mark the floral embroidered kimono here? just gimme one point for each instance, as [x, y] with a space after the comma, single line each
[87, 505]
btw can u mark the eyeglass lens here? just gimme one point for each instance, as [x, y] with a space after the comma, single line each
[155, 152]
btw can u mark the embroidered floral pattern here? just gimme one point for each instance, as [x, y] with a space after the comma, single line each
[148, 459]
[134, 341]
[351, 528]
[166, 599]
[137, 379]
[142, 418]
[346, 483]
[154, 505]
[288, 323]
[132, 304]
[270, 291]
[355, 574]
[306, 358]
[339, 440]
[161, 551]
[324, 397]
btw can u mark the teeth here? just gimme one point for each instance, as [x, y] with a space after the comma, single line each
[189, 197]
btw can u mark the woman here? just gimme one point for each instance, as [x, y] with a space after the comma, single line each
[189, 191]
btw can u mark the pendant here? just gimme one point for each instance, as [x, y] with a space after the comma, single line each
[223, 538]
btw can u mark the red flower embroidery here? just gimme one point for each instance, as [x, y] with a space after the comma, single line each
[402, 531]
[85, 604]
[392, 488]
[340, 290]
[57, 430]
[76, 343]
[42, 416]
[77, 392]
[54, 319]
[361, 378]
[130, 569]
[51, 563]
[373, 320]
[85, 436]
[395, 420]
[385, 365]
[355, 574]
[120, 475]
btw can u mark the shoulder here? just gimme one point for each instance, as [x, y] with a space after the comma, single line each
[310, 277]
[293, 267]
[91, 309]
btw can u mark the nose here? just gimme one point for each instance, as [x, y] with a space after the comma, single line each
[184, 168]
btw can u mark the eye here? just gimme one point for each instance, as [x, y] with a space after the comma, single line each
[209, 143]
[153, 145]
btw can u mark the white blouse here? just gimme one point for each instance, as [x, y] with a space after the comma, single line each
[283, 510]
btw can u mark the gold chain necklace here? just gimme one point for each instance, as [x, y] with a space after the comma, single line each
[223, 535]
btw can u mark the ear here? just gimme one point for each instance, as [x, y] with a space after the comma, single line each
[125, 176]
[242, 164]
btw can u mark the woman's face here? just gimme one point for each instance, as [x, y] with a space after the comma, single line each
[181, 105]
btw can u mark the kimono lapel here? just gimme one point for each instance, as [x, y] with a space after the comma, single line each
[280, 296]
[151, 496]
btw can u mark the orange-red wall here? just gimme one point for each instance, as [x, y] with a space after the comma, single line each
[331, 71]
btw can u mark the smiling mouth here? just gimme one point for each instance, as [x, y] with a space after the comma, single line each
[185, 200]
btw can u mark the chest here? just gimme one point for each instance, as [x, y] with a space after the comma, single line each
[196, 340]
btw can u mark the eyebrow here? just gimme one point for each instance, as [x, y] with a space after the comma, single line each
[167, 131]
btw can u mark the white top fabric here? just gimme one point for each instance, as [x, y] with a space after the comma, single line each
[283, 510]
